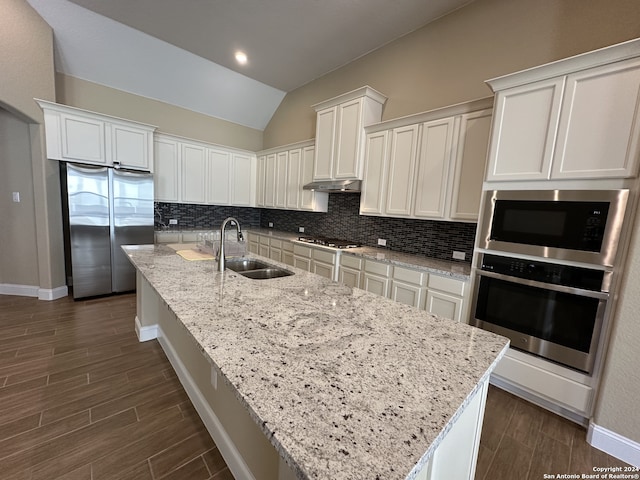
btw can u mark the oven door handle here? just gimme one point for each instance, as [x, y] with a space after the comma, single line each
[547, 286]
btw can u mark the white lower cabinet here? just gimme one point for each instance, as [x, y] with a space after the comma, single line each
[409, 286]
[438, 294]
[350, 271]
[376, 277]
[319, 261]
[302, 257]
[287, 252]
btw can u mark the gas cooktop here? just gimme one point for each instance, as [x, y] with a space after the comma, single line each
[329, 242]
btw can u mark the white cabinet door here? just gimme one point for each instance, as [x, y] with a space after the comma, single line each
[302, 263]
[599, 130]
[402, 162]
[193, 173]
[83, 139]
[325, 144]
[261, 179]
[130, 147]
[307, 197]
[270, 181]
[218, 177]
[323, 269]
[294, 188]
[241, 179]
[282, 160]
[376, 284]
[524, 131]
[433, 168]
[166, 175]
[470, 162]
[349, 133]
[444, 305]
[375, 173]
[408, 294]
[349, 276]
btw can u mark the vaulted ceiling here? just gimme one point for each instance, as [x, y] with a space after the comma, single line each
[182, 51]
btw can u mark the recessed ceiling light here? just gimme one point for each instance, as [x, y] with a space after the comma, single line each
[241, 58]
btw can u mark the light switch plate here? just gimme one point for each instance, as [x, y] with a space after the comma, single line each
[300, 229]
[270, 224]
[173, 221]
[382, 242]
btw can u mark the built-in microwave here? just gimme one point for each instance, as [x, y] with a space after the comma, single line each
[575, 225]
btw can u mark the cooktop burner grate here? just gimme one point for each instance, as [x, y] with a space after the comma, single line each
[329, 242]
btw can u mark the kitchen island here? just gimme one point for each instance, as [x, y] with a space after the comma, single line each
[337, 382]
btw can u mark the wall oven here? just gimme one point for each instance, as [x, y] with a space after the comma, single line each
[544, 269]
[551, 310]
[576, 225]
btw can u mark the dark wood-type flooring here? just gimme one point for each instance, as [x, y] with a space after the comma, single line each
[82, 399]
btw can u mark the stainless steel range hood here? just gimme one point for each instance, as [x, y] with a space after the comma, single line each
[334, 186]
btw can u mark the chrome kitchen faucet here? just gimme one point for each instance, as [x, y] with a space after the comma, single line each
[221, 250]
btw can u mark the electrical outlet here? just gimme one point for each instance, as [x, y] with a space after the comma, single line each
[459, 255]
[173, 221]
[16, 197]
[300, 229]
[270, 224]
[214, 378]
[382, 242]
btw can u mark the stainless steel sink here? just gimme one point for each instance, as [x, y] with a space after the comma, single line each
[266, 273]
[244, 264]
[255, 269]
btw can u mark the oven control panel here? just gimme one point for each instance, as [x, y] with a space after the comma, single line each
[545, 272]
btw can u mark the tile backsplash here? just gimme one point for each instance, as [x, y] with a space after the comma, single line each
[430, 238]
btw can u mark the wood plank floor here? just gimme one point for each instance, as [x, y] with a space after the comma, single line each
[82, 399]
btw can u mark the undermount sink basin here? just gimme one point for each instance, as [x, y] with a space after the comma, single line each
[255, 269]
[266, 273]
[244, 264]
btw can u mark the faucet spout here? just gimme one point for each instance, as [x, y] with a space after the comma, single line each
[221, 250]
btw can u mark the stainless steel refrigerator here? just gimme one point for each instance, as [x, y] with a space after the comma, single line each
[106, 208]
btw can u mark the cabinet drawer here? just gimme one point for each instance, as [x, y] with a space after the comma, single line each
[445, 284]
[275, 243]
[287, 246]
[264, 240]
[323, 256]
[302, 251]
[377, 268]
[351, 261]
[409, 276]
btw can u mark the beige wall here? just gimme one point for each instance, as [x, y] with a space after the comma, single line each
[26, 56]
[617, 405]
[448, 61]
[18, 241]
[168, 118]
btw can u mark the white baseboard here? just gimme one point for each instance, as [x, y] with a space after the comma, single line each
[229, 452]
[33, 291]
[20, 290]
[52, 293]
[614, 444]
[147, 333]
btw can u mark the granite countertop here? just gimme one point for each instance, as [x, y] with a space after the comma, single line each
[458, 270]
[344, 383]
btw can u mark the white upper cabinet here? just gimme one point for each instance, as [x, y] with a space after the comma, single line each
[402, 166]
[524, 129]
[374, 186]
[166, 177]
[578, 118]
[77, 135]
[600, 123]
[470, 162]
[293, 190]
[282, 172]
[340, 134]
[187, 171]
[429, 165]
[433, 170]
[193, 163]
[218, 177]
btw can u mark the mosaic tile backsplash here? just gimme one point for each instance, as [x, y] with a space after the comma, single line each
[423, 237]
